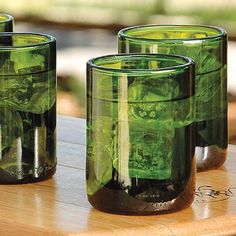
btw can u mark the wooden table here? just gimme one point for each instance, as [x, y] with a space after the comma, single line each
[59, 206]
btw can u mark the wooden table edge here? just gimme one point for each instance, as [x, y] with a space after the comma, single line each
[220, 226]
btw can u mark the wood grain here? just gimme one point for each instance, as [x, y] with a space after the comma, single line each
[58, 206]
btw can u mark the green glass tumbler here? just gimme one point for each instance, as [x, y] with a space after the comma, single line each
[27, 107]
[140, 125]
[207, 46]
[6, 23]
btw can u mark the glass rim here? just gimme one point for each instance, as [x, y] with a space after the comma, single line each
[187, 62]
[9, 18]
[50, 40]
[222, 32]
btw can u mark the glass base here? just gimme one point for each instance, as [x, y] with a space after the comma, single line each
[120, 202]
[30, 179]
[210, 157]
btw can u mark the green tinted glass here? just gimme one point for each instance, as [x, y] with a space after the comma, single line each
[6, 23]
[139, 132]
[27, 107]
[207, 46]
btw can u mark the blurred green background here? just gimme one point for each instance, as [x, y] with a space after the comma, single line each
[88, 28]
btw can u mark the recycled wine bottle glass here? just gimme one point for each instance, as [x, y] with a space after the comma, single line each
[6, 23]
[207, 46]
[27, 107]
[140, 146]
